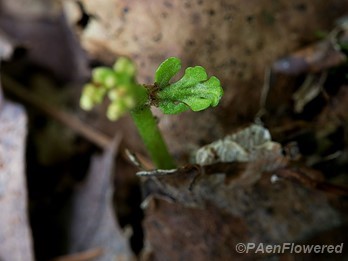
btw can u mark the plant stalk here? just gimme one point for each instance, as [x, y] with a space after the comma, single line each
[152, 138]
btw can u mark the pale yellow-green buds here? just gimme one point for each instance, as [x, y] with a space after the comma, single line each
[118, 84]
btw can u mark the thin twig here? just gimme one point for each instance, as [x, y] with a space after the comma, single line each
[301, 178]
[229, 168]
[264, 94]
[1, 97]
[16, 89]
[88, 255]
[235, 169]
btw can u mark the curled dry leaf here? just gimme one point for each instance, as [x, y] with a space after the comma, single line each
[236, 147]
[241, 157]
[15, 234]
[94, 224]
[252, 144]
[314, 58]
[318, 56]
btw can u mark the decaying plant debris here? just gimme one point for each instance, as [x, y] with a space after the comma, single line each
[252, 197]
[268, 165]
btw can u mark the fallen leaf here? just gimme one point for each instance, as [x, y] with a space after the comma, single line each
[314, 58]
[15, 233]
[94, 224]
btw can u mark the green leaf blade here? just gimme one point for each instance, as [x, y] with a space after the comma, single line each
[173, 107]
[192, 76]
[193, 91]
[198, 104]
[166, 71]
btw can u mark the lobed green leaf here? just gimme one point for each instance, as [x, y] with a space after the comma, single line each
[193, 91]
[166, 71]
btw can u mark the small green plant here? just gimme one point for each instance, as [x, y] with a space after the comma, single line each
[193, 91]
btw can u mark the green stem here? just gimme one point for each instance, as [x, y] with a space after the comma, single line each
[151, 135]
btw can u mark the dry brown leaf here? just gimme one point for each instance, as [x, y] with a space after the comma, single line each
[94, 224]
[208, 220]
[314, 58]
[40, 27]
[15, 233]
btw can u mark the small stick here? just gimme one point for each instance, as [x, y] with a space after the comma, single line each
[301, 178]
[88, 255]
[1, 97]
[264, 94]
[16, 89]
